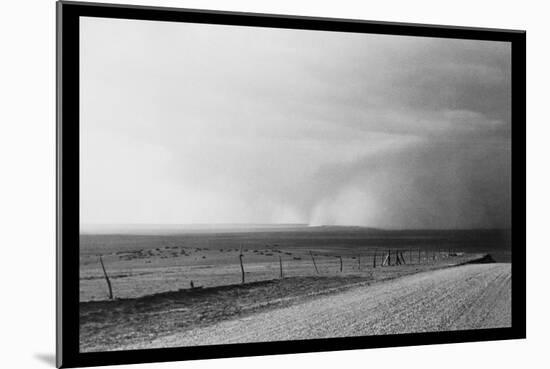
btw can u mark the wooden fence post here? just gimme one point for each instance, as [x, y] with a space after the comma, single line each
[281, 266]
[374, 260]
[359, 261]
[314, 265]
[241, 261]
[341, 264]
[418, 256]
[106, 278]
[387, 260]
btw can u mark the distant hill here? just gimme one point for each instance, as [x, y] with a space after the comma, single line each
[156, 229]
[331, 228]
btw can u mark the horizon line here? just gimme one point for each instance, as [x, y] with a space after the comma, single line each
[90, 226]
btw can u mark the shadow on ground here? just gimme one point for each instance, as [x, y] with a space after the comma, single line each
[46, 359]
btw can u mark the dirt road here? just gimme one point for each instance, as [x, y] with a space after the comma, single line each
[465, 297]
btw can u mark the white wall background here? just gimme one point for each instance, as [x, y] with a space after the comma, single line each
[27, 185]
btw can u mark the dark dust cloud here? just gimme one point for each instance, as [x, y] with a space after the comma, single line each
[185, 123]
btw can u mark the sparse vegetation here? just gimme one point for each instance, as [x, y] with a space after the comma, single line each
[139, 269]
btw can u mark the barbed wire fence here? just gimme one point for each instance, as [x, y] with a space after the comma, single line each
[322, 262]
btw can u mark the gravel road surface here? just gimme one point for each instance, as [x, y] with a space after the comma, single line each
[465, 297]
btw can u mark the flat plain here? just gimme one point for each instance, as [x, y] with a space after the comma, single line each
[171, 285]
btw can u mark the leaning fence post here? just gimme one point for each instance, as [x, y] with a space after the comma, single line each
[241, 261]
[314, 265]
[106, 278]
[385, 261]
[399, 255]
[341, 264]
[281, 266]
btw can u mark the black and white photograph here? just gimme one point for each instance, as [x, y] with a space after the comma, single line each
[245, 184]
[274, 184]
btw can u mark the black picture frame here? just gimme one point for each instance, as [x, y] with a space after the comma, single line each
[68, 14]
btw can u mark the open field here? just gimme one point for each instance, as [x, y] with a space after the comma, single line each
[155, 304]
[462, 297]
[147, 264]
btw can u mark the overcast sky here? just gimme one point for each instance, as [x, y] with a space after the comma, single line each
[187, 124]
